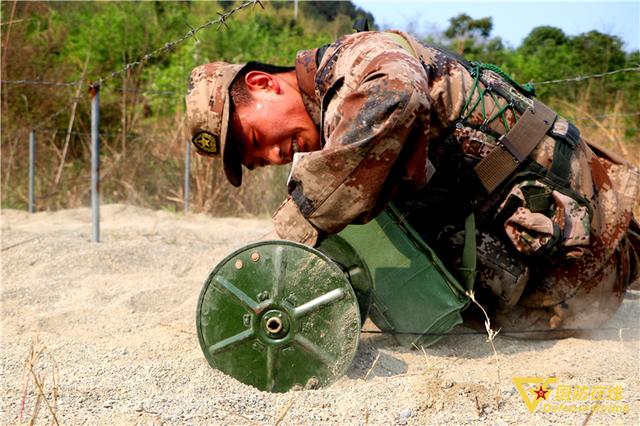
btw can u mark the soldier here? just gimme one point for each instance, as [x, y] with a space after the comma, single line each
[376, 117]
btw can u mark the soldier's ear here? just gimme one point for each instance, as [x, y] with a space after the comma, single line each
[261, 81]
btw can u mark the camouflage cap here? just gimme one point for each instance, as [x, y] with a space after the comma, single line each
[208, 106]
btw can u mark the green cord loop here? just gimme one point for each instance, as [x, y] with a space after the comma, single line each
[526, 88]
[467, 109]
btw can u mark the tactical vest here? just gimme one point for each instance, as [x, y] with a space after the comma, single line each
[482, 185]
[465, 184]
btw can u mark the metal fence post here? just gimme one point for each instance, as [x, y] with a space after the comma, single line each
[95, 164]
[187, 173]
[32, 160]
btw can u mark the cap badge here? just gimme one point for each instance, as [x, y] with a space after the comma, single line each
[207, 142]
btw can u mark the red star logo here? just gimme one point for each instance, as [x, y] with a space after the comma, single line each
[541, 393]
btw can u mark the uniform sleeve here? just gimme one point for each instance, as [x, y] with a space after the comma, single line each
[366, 126]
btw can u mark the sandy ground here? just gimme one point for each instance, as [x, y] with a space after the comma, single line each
[116, 321]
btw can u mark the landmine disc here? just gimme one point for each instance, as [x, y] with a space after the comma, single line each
[278, 315]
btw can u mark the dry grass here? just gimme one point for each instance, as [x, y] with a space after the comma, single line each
[607, 128]
[491, 335]
[40, 386]
[284, 411]
[612, 128]
[147, 171]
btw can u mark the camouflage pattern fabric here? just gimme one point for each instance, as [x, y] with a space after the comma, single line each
[530, 231]
[390, 130]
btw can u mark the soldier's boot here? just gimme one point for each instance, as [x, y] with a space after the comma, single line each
[588, 308]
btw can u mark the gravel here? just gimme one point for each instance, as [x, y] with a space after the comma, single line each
[116, 324]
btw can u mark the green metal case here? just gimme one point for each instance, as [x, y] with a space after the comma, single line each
[278, 315]
[413, 294]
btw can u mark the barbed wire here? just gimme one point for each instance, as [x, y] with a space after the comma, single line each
[77, 83]
[41, 82]
[614, 114]
[108, 132]
[586, 77]
[608, 127]
[113, 133]
[151, 92]
[502, 332]
[49, 118]
[170, 46]
[119, 131]
[222, 21]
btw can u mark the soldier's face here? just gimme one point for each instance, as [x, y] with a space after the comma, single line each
[274, 125]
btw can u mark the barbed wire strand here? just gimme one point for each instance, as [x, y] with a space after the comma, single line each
[77, 83]
[41, 82]
[107, 132]
[613, 114]
[622, 114]
[502, 332]
[111, 133]
[170, 46]
[609, 128]
[151, 92]
[221, 20]
[586, 77]
[49, 118]
[119, 131]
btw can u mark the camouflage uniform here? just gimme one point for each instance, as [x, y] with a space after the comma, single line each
[389, 118]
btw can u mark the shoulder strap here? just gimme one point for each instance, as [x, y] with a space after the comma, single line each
[407, 46]
[320, 53]
[397, 38]
[515, 146]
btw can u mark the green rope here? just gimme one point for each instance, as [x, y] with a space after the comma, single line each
[500, 112]
[526, 89]
[476, 76]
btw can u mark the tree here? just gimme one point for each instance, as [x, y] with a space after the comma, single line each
[598, 52]
[329, 10]
[544, 54]
[467, 33]
[543, 38]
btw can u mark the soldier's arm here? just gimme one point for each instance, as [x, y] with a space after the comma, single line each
[367, 124]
